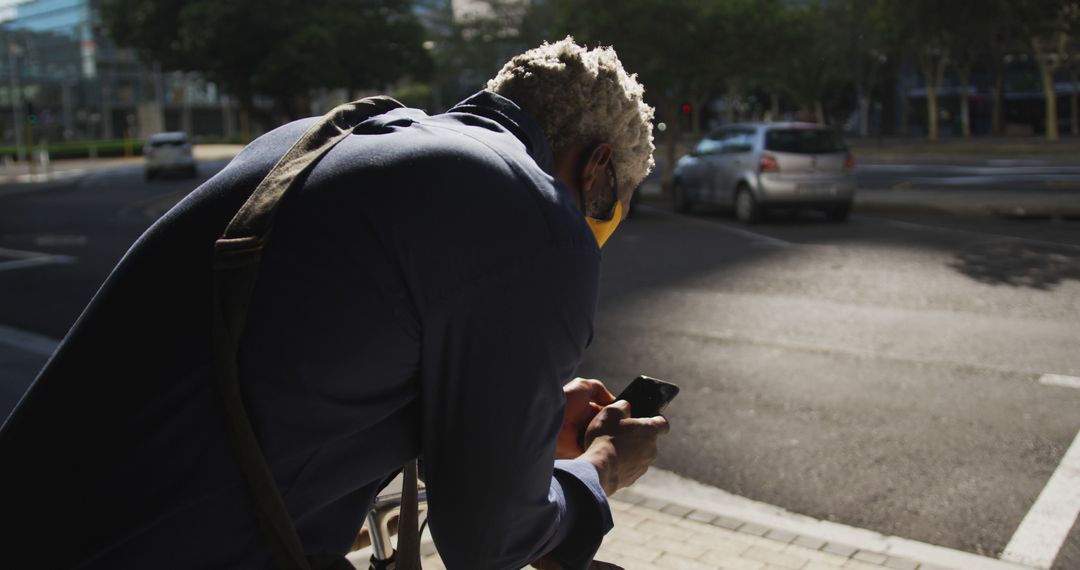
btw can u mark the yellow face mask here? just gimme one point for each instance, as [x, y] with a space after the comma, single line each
[603, 229]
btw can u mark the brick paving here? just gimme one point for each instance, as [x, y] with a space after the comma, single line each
[652, 534]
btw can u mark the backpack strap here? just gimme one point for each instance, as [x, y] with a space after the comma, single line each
[236, 263]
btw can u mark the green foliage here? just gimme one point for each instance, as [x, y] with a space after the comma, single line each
[417, 95]
[103, 149]
[279, 48]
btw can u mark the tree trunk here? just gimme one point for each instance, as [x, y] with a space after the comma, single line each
[864, 116]
[1047, 73]
[999, 98]
[934, 75]
[819, 113]
[1074, 104]
[905, 110]
[671, 146]
[931, 114]
[774, 107]
[965, 107]
[695, 114]
[729, 105]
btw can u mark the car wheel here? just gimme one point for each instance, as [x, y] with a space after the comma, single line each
[747, 209]
[151, 174]
[678, 197]
[838, 213]
[192, 171]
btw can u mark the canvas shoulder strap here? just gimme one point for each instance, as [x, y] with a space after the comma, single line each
[236, 262]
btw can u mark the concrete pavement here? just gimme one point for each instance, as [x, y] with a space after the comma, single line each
[666, 522]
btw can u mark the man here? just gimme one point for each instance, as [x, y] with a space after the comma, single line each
[426, 292]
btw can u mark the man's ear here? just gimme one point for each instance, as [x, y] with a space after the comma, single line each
[595, 166]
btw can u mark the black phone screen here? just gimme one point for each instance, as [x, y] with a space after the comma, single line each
[648, 396]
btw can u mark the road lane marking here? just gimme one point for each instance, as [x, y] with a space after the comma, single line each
[24, 259]
[929, 228]
[1043, 531]
[28, 341]
[993, 170]
[753, 236]
[1059, 380]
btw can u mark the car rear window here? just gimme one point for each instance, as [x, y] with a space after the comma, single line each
[156, 144]
[804, 141]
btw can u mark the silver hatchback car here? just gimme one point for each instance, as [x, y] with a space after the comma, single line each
[753, 167]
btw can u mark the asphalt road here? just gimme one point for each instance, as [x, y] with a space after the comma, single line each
[1028, 175]
[882, 373]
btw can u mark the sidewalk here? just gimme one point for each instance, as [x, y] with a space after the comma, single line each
[20, 173]
[667, 522]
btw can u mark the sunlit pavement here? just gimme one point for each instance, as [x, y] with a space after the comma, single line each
[883, 374]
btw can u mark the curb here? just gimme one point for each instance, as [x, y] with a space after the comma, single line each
[666, 492]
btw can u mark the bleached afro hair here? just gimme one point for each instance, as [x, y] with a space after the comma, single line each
[581, 95]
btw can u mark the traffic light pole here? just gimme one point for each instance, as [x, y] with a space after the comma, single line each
[16, 102]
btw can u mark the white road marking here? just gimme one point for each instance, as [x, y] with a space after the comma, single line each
[54, 240]
[28, 341]
[1042, 532]
[1059, 380]
[36, 261]
[994, 170]
[24, 259]
[925, 227]
[753, 236]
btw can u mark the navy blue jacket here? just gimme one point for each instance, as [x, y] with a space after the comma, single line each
[427, 291]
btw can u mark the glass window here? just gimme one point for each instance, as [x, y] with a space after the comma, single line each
[739, 141]
[804, 141]
[710, 145]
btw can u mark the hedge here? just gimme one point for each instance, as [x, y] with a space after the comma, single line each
[104, 149]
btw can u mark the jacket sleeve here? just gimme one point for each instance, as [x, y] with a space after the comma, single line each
[494, 366]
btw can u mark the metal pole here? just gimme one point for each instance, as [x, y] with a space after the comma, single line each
[16, 101]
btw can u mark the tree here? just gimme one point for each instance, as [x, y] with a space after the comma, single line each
[1047, 26]
[973, 28]
[926, 27]
[278, 48]
[817, 38]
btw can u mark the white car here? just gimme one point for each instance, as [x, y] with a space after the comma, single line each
[169, 152]
[755, 167]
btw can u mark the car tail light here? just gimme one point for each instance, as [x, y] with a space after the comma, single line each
[849, 164]
[768, 164]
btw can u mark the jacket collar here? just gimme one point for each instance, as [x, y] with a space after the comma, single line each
[505, 112]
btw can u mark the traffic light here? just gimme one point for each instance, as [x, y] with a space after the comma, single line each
[31, 113]
[685, 108]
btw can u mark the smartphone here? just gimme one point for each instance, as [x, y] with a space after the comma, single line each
[648, 396]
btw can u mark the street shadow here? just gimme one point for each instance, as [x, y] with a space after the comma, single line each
[1016, 264]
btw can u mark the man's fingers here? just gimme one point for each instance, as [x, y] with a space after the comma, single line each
[658, 424]
[600, 394]
[620, 406]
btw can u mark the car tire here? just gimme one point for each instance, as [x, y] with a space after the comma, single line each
[679, 200]
[192, 171]
[151, 174]
[747, 208]
[838, 213]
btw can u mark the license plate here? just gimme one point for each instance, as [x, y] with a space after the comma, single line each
[813, 188]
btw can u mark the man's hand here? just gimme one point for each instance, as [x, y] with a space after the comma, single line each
[622, 447]
[585, 397]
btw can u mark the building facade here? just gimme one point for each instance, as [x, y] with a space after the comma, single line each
[62, 79]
